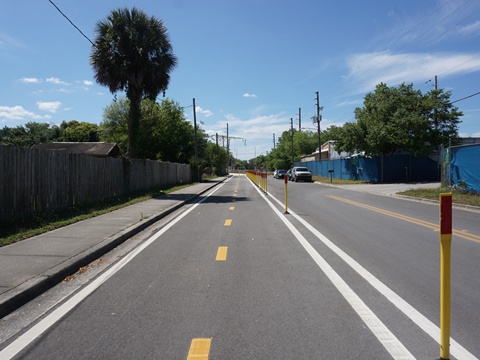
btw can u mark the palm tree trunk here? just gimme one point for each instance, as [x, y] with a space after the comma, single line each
[133, 124]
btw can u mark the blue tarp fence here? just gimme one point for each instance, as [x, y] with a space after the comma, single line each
[461, 165]
[394, 168]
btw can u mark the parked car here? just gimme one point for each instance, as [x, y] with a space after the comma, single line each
[289, 174]
[279, 174]
[301, 173]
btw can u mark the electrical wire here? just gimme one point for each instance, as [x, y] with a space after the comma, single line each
[431, 40]
[466, 97]
[446, 72]
[436, 24]
[70, 21]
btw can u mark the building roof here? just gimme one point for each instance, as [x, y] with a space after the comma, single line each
[98, 149]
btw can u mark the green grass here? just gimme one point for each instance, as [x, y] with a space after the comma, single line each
[334, 181]
[52, 221]
[458, 197]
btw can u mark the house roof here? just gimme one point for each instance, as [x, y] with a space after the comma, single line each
[98, 149]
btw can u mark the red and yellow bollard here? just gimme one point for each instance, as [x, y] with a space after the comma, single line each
[445, 255]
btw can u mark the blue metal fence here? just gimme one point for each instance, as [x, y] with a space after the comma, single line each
[462, 167]
[394, 168]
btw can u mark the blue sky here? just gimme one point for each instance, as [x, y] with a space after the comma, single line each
[250, 63]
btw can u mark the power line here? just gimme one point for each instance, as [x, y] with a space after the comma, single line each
[428, 42]
[395, 62]
[466, 97]
[70, 21]
[417, 37]
[446, 72]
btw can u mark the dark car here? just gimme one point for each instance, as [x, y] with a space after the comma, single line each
[301, 173]
[279, 174]
[289, 174]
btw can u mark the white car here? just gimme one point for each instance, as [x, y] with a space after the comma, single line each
[301, 173]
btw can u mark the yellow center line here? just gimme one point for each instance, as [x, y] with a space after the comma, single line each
[427, 224]
[232, 208]
[199, 349]
[228, 222]
[222, 253]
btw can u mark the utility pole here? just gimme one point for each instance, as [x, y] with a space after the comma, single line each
[291, 133]
[299, 119]
[228, 146]
[195, 132]
[197, 173]
[435, 120]
[274, 140]
[318, 126]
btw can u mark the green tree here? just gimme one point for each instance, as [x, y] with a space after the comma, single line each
[114, 126]
[75, 131]
[304, 143]
[215, 159]
[443, 116]
[164, 132]
[132, 53]
[30, 134]
[399, 119]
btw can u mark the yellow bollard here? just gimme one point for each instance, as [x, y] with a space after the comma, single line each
[285, 178]
[445, 255]
[266, 183]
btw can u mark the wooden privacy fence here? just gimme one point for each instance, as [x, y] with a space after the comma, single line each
[38, 181]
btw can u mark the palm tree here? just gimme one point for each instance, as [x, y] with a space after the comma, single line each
[132, 53]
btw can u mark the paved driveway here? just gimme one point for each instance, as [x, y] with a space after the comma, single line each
[389, 189]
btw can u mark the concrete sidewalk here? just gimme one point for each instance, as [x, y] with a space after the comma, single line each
[31, 266]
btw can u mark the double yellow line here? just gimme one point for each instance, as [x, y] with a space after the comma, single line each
[434, 226]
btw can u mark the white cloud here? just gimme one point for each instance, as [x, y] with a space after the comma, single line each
[32, 80]
[471, 29]
[253, 128]
[204, 112]
[16, 113]
[50, 106]
[247, 95]
[87, 82]
[350, 103]
[6, 40]
[368, 70]
[56, 81]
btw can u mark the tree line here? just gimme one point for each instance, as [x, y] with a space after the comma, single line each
[396, 119]
[163, 131]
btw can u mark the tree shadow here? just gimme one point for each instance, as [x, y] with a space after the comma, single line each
[210, 199]
[225, 199]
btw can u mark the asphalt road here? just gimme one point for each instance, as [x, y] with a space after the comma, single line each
[345, 275]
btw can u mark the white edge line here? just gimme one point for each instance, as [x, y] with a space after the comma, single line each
[426, 325]
[30, 335]
[396, 349]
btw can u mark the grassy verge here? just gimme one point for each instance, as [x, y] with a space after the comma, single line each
[48, 222]
[458, 197]
[326, 180]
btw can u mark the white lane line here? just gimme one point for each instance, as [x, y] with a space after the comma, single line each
[30, 335]
[396, 349]
[457, 350]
